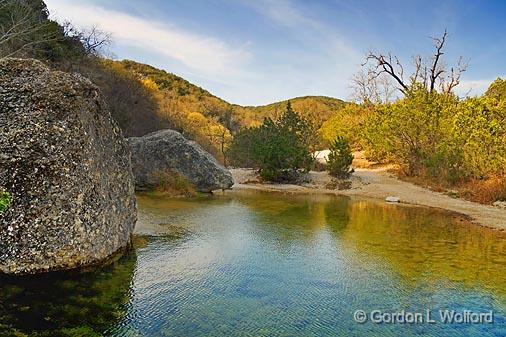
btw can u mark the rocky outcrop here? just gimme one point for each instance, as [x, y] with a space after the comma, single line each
[169, 150]
[67, 167]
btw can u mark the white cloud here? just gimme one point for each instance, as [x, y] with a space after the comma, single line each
[324, 41]
[281, 11]
[473, 87]
[322, 65]
[207, 55]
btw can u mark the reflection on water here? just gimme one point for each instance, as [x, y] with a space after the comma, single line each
[259, 264]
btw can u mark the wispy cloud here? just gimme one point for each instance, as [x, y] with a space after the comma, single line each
[205, 54]
[314, 32]
[281, 11]
[333, 57]
[321, 60]
[473, 87]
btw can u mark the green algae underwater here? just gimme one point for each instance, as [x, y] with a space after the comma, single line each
[266, 264]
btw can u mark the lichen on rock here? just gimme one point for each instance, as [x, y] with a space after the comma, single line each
[67, 166]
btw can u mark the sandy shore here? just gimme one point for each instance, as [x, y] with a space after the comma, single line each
[378, 183]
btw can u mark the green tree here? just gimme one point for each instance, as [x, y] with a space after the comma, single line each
[240, 151]
[476, 130]
[497, 89]
[340, 158]
[279, 149]
[408, 131]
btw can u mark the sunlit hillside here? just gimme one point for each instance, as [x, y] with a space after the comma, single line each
[210, 120]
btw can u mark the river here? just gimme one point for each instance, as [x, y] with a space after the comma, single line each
[268, 264]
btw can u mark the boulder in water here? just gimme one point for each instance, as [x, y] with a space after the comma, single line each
[168, 150]
[66, 165]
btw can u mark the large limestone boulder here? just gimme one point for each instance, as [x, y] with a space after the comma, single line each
[67, 166]
[168, 150]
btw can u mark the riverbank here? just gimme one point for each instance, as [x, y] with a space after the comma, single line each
[379, 183]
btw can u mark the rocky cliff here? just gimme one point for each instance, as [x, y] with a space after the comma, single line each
[66, 165]
[168, 150]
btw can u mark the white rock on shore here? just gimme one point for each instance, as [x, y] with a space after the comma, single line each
[392, 199]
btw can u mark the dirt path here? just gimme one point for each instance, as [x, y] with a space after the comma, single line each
[378, 183]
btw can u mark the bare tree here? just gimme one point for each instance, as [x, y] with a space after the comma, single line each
[386, 64]
[431, 73]
[26, 31]
[22, 29]
[368, 88]
[93, 39]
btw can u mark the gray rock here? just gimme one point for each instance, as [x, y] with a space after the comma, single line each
[67, 166]
[168, 150]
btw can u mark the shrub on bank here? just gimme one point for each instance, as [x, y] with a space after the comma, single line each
[437, 135]
[340, 158]
[280, 149]
[172, 183]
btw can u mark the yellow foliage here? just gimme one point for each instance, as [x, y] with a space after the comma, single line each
[150, 84]
[197, 118]
[346, 122]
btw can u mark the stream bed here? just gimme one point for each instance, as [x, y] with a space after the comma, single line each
[251, 263]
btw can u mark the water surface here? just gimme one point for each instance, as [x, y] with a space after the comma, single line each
[264, 264]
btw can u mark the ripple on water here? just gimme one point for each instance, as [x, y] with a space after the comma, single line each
[256, 264]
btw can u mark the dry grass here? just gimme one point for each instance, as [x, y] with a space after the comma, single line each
[360, 160]
[171, 183]
[484, 191]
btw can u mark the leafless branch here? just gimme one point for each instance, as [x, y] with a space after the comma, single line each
[430, 73]
[453, 79]
[21, 28]
[93, 39]
[385, 64]
[436, 70]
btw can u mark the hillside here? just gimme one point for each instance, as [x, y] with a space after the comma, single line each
[316, 108]
[140, 97]
[497, 89]
[197, 113]
[182, 97]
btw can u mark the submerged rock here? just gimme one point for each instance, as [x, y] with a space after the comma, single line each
[168, 150]
[67, 167]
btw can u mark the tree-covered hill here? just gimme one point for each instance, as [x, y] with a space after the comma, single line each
[497, 89]
[320, 108]
[200, 115]
[141, 98]
[183, 97]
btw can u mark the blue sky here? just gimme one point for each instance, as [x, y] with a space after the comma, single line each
[260, 51]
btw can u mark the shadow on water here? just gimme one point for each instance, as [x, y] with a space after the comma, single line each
[66, 303]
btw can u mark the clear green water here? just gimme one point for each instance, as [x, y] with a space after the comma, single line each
[258, 264]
